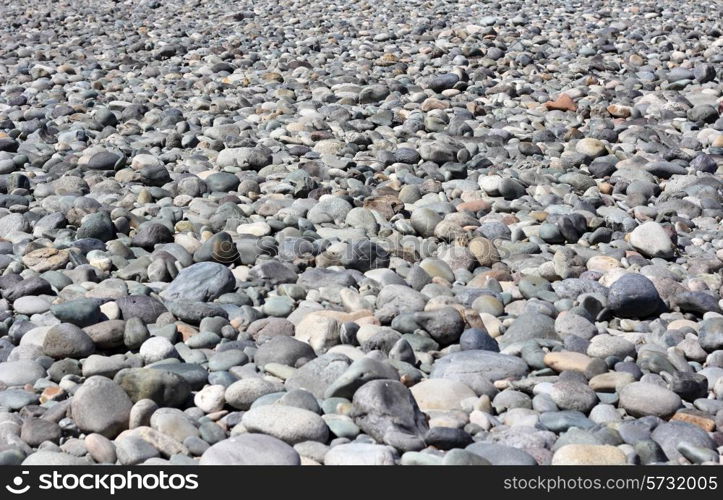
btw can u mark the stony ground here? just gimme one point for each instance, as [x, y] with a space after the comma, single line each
[397, 232]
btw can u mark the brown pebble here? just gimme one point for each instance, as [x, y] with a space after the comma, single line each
[695, 417]
[563, 103]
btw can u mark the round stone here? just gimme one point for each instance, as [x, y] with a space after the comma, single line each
[633, 296]
[67, 341]
[640, 399]
[291, 425]
[588, 454]
[101, 406]
[250, 449]
[441, 394]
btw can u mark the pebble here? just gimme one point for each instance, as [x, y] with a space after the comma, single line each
[360, 454]
[651, 239]
[36, 431]
[388, 412]
[641, 399]
[588, 454]
[671, 435]
[133, 450]
[633, 296]
[243, 393]
[211, 398]
[156, 349]
[491, 365]
[441, 394]
[573, 396]
[100, 448]
[53, 459]
[250, 449]
[101, 406]
[291, 425]
[20, 372]
[67, 341]
[163, 387]
[497, 454]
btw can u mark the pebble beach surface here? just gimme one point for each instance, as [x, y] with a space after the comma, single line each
[322, 232]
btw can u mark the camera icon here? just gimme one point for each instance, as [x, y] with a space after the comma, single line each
[17, 487]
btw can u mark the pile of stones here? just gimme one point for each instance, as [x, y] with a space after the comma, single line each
[400, 232]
